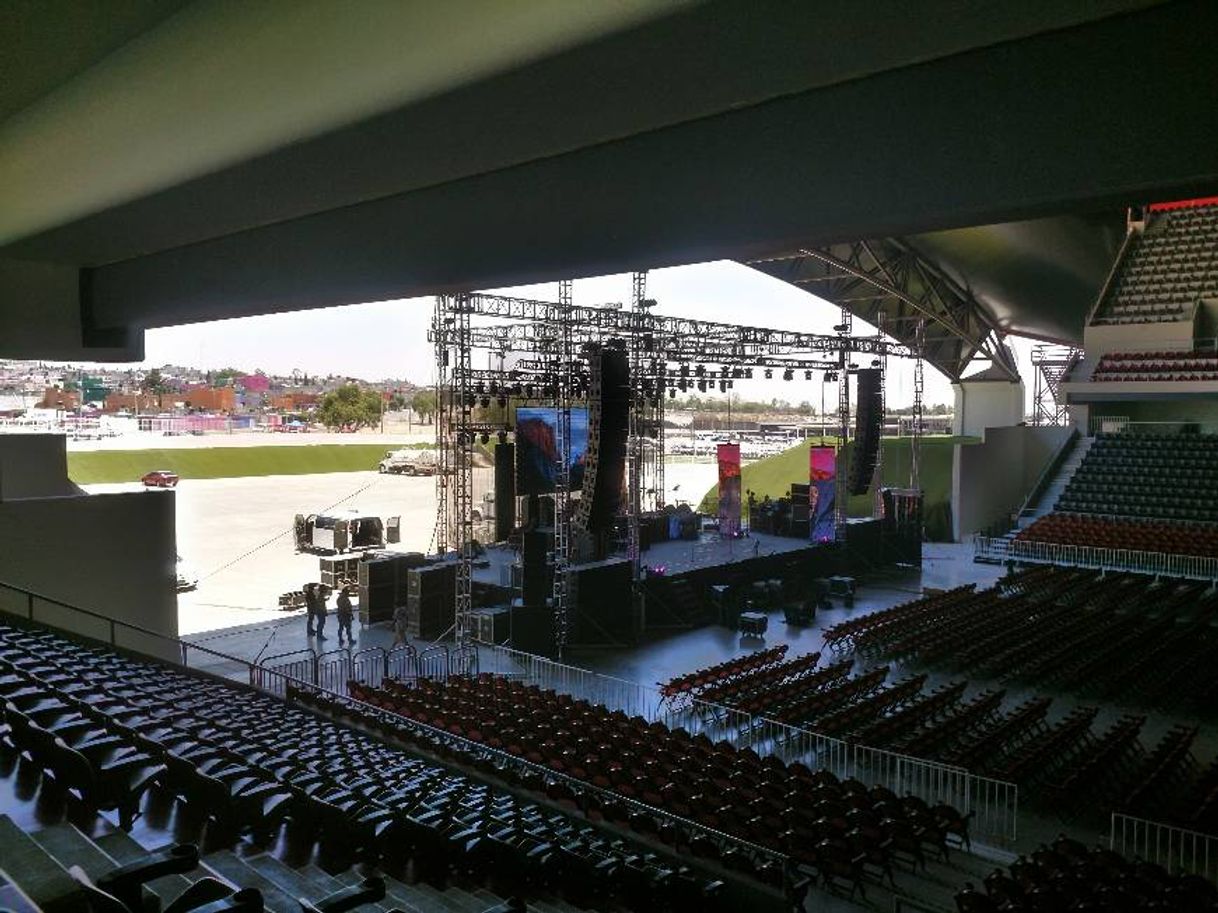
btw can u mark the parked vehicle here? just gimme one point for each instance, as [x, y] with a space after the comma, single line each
[409, 462]
[160, 478]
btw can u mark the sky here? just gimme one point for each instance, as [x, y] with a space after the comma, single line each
[388, 339]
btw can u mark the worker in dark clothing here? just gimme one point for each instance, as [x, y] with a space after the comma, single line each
[345, 616]
[310, 598]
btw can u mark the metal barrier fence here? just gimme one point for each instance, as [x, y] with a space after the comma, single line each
[1110, 559]
[994, 804]
[1173, 848]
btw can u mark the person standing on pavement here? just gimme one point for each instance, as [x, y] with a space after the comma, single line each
[345, 616]
[310, 599]
[399, 625]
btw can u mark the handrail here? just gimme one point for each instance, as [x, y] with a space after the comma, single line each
[1050, 470]
[1120, 258]
[1193, 567]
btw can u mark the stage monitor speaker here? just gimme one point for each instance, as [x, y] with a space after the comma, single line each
[505, 491]
[868, 423]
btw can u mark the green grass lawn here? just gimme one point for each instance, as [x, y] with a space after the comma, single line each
[773, 476]
[223, 462]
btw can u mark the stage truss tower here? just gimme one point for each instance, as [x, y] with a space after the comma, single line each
[842, 495]
[1050, 365]
[915, 451]
[539, 348]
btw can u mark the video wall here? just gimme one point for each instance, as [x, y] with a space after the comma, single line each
[537, 449]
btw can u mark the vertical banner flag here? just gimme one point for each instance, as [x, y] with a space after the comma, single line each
[822, 492]
[729, 489]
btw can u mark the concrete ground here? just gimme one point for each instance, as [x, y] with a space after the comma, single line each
[236, 534]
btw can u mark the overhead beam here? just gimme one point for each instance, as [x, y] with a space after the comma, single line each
[1092, 116]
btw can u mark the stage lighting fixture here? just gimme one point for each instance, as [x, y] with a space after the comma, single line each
[723, 386]
[807, 375]
[685, 370]
[528, 390]
[875, 362]
[769, 374]
[480, 387]
[748, 372]
[502, 437]
[700, 371]
[788, 374]
[494, 387]
[701, 386]
[672, 393]
[841, 328]
[486, 438]
[484, 402]
[502, 402]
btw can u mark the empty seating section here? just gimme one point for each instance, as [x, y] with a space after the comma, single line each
[736, 669]
[110, 728]
[841, 830]
[1130, 535]
[1167, 269]
[1067, 876]
[1157, 366]
[1117, 637]
[1161, 477]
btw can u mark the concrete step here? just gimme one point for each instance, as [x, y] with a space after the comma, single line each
[123, 848]
[39, 875]
[422, 897]
[319, 883]
[240, 873]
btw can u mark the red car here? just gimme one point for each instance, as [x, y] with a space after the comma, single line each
[160, 478]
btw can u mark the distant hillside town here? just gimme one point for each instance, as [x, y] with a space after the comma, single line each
[172, 398]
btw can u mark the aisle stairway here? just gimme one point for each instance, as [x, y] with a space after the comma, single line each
[1053, 491]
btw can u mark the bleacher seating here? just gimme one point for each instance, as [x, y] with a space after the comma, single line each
[1162, 477]
[1067, 876]
[1157, 366]
[1166, 270]
[97, 724]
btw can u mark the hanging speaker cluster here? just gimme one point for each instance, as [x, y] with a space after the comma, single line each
[868, 422]
[608, 429]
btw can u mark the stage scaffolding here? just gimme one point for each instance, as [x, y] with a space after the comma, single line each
[540, 347]
[1050, 365]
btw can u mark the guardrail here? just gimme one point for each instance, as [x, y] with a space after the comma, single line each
[1174, 848]
[994, 804]
[1119, 424]
[1193, 567]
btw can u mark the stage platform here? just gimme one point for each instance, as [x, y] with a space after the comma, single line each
[676, 557]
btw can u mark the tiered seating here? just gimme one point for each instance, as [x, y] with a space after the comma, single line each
[1164, 477]
[246, 762]
[1157, 366]
[1131, 535]
[1069, 877]
[1167, 270]
[840, 829]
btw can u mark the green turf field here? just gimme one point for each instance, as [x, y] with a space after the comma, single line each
[773, 476]
[224, 462]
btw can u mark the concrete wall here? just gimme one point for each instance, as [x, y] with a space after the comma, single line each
[986, 404]
[112, 554]
[991, 479]
[1199, 409]
[34, 466]
[1137, 337]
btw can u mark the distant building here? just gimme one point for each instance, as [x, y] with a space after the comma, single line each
[57, 398]
[254, 383]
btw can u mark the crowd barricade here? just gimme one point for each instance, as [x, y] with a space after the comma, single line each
[1194, 567]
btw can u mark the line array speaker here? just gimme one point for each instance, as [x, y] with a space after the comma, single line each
[868, 422]
[608, 429]
[505, 491]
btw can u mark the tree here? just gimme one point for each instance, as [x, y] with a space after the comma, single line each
[350, 407]
[397, 402]
[424, 404]
[153, 382]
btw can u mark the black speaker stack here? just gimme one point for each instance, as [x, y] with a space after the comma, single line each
[608, 429]
[538, 581]
[382, 587]
[505, 491]
[431, 595]
[868, 423]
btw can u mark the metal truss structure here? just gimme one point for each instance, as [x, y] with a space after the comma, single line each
[1051, 364]
[540, 349]
[887, 275]
[917, 418]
